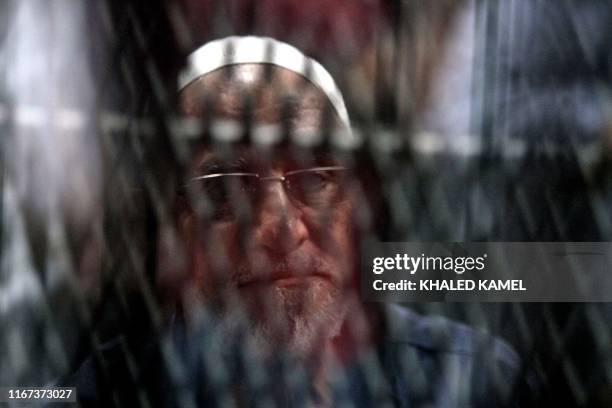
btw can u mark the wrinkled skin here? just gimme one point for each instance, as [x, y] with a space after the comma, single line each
[289, 269]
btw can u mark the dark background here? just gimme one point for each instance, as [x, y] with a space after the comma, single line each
[539, 99]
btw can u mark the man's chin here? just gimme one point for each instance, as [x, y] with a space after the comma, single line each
[294, 316]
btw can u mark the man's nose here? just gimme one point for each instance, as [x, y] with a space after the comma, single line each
[279, 224]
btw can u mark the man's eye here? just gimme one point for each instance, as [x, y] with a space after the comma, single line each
[323, 178]
[227, 192]
[310, 181]
[313, 187]
[216, 192]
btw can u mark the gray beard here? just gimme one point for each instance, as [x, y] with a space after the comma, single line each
[288, 344]
[295, 324]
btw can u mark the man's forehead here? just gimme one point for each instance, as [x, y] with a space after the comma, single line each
[245, 158]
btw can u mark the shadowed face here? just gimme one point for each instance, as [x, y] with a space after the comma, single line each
[274, 248]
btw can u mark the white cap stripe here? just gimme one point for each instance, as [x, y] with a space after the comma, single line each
[262, 50]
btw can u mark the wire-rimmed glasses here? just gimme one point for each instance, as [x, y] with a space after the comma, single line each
[315, 187]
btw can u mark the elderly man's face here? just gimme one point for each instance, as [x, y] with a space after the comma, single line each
[277, 247]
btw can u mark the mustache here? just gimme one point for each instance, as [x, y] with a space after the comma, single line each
[260, 268]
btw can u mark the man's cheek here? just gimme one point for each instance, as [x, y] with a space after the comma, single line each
[226, 236]
[341, 229]
[330, 229]
[339, 243]
[212, 253]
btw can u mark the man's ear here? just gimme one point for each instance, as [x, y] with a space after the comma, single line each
[172, 261]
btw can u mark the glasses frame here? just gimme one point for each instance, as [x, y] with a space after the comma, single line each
[283, 178]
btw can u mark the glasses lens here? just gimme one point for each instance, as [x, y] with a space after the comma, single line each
[226, 192]
[316, 187]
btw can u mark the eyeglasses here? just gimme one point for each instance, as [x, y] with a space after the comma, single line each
[316, 187]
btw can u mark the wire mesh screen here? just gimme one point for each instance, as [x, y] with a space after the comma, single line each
[469, 121]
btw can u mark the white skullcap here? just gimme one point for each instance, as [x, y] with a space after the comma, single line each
[261, 50]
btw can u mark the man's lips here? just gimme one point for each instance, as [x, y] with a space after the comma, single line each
[282, 279]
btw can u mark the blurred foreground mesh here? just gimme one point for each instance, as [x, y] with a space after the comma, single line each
[485, 120]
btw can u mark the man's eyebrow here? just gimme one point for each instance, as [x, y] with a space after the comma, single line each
[217, 165]
[325, 158]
